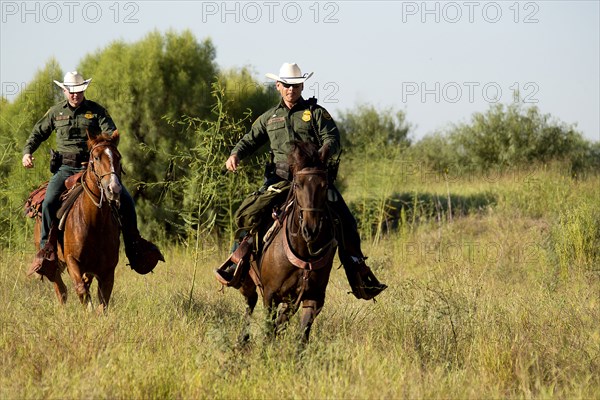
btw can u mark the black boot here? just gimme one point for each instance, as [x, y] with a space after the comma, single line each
[142, 254]
[233, 271]
[45, 262]
[363, 282]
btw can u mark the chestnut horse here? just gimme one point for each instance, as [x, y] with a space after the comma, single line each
[89, 243]
[296, 262]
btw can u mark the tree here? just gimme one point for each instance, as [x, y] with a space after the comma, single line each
[243, 95]
[210, 196]
[160, 93]
[506, 136]
[17, 119]
[511, 136]
[144, 85]
[368, 132]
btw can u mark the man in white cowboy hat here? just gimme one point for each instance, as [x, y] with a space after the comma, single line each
[73, 119]
[295, 118]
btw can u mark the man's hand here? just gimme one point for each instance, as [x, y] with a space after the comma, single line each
[232, 162]
[28, 160]
[324, 153]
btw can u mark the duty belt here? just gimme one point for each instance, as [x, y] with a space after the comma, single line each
[74, 159]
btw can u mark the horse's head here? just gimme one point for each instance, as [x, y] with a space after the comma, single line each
[105, 163]
[310, 188]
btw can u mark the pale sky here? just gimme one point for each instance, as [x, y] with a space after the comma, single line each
[439, 62]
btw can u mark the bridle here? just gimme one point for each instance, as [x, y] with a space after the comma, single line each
[99, 177]
[323, 212]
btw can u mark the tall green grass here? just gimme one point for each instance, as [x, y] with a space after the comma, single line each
[501, 300]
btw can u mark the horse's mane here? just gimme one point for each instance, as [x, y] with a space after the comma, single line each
[103, 137]
[304, 155]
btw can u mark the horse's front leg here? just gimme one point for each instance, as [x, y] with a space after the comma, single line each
[81, 285]
[105, 288]
[271, 307]
[310, 310]
[59, 286]
[286, 310]
[248, 290]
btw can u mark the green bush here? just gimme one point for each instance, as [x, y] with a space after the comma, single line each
[508, 137]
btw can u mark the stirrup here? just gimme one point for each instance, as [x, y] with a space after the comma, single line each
[241, 259]
[235, 280]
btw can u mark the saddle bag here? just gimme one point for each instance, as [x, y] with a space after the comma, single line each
[33, 205]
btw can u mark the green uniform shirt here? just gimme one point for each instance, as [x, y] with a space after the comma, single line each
[70, 125]
[281, 126]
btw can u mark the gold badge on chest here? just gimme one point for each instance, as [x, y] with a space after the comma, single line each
[306, 116]
[89, 115]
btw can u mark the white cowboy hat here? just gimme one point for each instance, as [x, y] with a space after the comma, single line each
[74, 82]
[290, 73]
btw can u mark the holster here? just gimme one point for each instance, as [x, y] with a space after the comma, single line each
[276, 169]
[55, 161]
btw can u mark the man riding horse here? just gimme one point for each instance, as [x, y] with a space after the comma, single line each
[74, 119]
[295, 118]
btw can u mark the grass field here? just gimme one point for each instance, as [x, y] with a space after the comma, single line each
[494, 292]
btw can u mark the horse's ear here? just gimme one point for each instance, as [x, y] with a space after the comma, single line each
[293, 155]
[90, 140]
[115, 137]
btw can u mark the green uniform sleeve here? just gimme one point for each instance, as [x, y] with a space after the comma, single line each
[253, 140]
[105, 121]
[41, 132]
[327, 130]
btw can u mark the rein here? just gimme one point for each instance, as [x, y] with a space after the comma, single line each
[326, 249]
[91, 194]
[309, 242]
[309, 265]
[86, 189]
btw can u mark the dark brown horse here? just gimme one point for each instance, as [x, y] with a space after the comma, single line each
[89, 243]
[296, 262]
